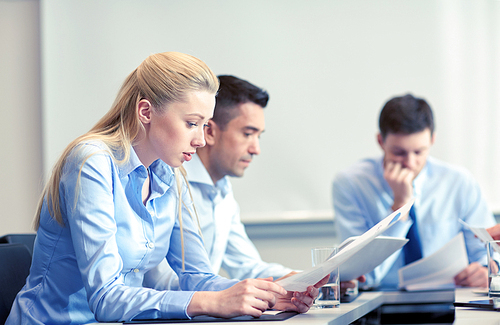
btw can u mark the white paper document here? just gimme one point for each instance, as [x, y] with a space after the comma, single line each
[369, 257]
[311, 276]
[437, 270]
[480, 233]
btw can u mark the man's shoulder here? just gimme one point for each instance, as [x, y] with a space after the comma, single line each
[365, 169]
[442, 176]
[446, 169]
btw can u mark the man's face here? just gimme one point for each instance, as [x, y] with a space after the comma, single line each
[234, 147]
[409, 150]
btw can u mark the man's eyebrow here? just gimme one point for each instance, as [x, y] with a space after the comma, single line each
[403, 149]
[253, 128]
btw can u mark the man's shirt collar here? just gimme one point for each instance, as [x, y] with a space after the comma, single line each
[197, 173]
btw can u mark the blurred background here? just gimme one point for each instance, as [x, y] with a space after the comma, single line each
[329, 67]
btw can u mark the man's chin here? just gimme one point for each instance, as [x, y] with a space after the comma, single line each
[419, 171]
[237, 173]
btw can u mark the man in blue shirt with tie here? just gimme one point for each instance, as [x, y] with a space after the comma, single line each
[371, 189]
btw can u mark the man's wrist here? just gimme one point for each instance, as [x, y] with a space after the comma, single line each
[398, 204]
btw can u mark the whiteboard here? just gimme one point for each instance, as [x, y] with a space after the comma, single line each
[329, 67]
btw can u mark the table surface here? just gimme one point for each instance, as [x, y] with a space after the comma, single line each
[369, 301]
[472, 316]
[345, 314]
[362, 305]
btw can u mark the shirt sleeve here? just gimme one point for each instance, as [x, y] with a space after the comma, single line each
[242, 260]
[162, 277]
[354, 215]
[475, 212]
[93, 228]
[197, 273]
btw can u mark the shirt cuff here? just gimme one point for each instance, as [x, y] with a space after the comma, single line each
[175, 304]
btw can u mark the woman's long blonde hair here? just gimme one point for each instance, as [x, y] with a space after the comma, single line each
[162, 78]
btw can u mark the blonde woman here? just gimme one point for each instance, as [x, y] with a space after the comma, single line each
[112, 210]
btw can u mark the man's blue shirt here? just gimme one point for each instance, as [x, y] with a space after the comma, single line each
[443, 194]
[224, 234]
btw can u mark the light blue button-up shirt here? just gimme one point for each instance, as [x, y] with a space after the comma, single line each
[93, 267]
[444, 193]
[224, 234]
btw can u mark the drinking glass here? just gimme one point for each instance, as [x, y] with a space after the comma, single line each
[329, 294]
[493, 250]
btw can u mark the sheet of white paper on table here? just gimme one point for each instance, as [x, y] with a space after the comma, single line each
[437, 270]
[311, 276]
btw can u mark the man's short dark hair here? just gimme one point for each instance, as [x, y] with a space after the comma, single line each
[405, 115]
[232, 92]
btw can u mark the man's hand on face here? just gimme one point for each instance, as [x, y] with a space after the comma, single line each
[400, 179]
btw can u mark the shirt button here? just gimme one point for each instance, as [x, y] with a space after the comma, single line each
[151, 245]
[136, 270]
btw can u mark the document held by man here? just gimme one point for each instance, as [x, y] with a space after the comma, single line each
[437, 270]
[300, 281]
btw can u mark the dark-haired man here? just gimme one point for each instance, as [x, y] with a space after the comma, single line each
[232, 141]
[371, 189]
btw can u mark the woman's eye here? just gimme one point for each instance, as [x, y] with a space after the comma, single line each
[192, 124]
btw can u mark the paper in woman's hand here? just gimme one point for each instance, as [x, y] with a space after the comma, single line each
[311, 276]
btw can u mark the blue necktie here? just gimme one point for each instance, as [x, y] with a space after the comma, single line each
[412, 249]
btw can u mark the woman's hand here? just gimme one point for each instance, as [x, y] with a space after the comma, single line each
[300, 302]
[296, 301]
[248, 297]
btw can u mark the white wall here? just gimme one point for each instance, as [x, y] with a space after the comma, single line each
[20, 115]
[329, 67]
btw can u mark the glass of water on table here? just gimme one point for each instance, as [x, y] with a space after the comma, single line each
[329, 294]
[493, 250]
